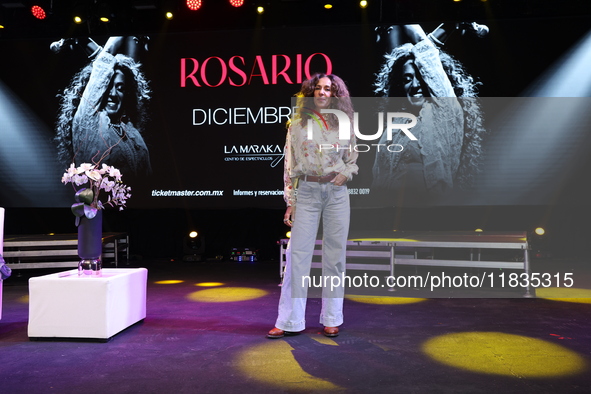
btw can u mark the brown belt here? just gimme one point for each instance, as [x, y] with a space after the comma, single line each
[320, 179]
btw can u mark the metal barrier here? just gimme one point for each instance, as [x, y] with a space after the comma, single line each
[57, 250]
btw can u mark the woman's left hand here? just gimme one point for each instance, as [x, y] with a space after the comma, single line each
[340, 180]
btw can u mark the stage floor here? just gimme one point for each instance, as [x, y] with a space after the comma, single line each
[205, 333]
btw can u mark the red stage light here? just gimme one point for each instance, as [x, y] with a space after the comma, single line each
[237, 3]
[38, 12]
[194, 5]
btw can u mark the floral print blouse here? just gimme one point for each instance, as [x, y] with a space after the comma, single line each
[322, 155]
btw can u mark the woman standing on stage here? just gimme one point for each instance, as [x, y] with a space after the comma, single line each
[315, 175]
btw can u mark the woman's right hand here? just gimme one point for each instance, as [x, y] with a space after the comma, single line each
[287, 217]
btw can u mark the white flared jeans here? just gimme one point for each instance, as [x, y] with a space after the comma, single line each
[315, 201]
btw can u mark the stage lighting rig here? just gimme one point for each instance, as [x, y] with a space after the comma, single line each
[193, 247]
[539, 243]
[80, 13]
[194, 5]
[38, 12]
[236, 3]
[103, 12]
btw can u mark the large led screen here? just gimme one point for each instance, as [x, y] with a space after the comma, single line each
[198, 120]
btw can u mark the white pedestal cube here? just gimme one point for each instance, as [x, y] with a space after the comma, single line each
[64, 305]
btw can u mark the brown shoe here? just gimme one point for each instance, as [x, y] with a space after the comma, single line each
[331, 331]
[276, 333]
[279, 333]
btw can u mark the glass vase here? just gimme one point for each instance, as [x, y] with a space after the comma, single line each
[90, 245]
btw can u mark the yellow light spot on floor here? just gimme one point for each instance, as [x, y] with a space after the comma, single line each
[385, 300]
[209, 284]
[226, 294]
[504, 354]
[565, 294]
[24, 299]
[275, 364]
[169, 282]
[324, 340]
